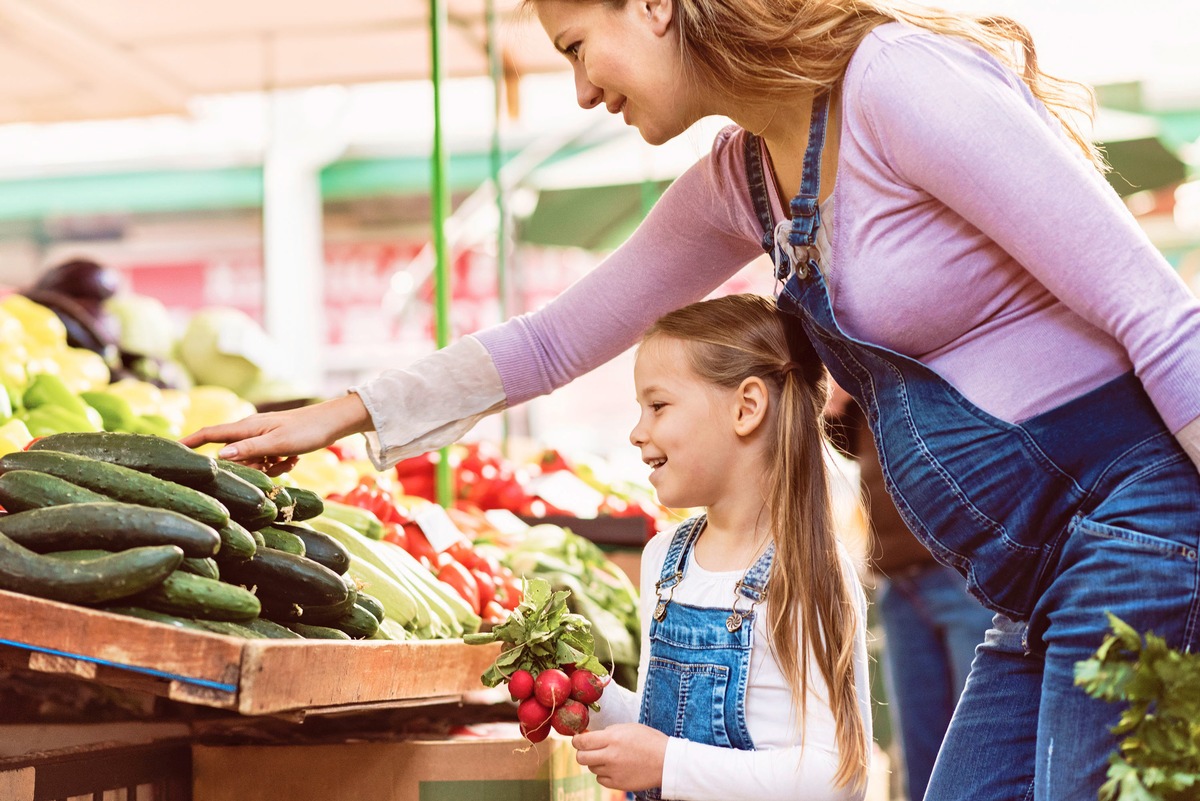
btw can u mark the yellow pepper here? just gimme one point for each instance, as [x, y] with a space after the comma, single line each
[40, 324]
[14, 436]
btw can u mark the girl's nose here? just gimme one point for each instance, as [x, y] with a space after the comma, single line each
[637, 436]
[588, 95]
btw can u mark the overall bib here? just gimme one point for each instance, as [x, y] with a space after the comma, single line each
[1092, 506]
[695, 686]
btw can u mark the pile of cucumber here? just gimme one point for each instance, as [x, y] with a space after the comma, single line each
[141, 525]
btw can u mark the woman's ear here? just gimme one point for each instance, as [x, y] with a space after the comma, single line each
[659, 12]
[750, 406]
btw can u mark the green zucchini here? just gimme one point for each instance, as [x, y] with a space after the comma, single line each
[120, 483]
[24, 489]
[285, 575]
[202, 567]
[319, 547]
[199, 597]
[282, 610]
[271, 629]
[91, 581]
[318, 632]
[371, 604]
[158, 456]
[306, 504]
[282, 540]
[157, 617]
[109, 525]
[246, 504]
[357, 622]
[236, 542]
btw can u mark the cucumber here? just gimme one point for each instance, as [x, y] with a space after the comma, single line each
[120, 483]
[271, 629]
[358, 623]
[318, 632]
[371, 604]
[230, 629]
[279, 610]
[236, 542]
[158, 456]
[195, 596]
[202, 567]
[246, 504]
[257, 478]
[157, 617]
[321, 615]
[319, 547]
[110, 525]
[259, 540]
[24, 489]
[105, 578]
[282, 540]
[306, 503]
[285, 575]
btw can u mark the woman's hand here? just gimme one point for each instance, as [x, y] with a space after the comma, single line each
[272, 441]
[627, 756]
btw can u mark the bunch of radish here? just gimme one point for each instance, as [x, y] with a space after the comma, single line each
[557, 698]
[548, 663]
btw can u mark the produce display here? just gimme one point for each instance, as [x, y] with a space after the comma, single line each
[548, 663]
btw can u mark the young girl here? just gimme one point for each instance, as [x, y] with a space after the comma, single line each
[753, 671]
[1028, 362]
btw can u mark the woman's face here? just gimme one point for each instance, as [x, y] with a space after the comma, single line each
[625, 58]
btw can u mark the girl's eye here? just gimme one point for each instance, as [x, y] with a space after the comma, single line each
[572, 50]
[657, 407]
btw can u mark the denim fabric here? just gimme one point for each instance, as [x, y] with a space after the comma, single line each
[1090, 507]
[931, 628]
[695, 685]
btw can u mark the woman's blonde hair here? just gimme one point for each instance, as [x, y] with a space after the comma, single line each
[767, 48]
[812, 613]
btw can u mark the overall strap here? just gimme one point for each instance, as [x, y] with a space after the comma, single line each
[681, 544]
[806, 218]
[754, 584]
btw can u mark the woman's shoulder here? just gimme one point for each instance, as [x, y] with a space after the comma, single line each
[900, 57]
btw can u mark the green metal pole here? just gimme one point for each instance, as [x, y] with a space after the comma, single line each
[441, 211]
[495, 67]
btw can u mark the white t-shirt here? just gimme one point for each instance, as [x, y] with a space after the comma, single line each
[779, 768]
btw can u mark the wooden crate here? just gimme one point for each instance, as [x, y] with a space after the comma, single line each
[253, 677]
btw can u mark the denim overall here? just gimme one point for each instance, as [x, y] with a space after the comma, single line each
[1092, 506]
[695, 686]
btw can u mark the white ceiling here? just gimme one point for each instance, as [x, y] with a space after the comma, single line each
[80, 59]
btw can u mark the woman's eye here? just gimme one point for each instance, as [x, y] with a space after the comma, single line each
[656, 407]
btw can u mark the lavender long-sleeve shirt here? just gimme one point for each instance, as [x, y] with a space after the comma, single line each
[967, 232]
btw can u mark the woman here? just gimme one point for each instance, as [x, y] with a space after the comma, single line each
[1027, 361]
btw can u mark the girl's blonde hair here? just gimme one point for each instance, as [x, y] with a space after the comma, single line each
[731, 339]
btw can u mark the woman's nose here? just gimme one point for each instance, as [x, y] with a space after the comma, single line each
[588, 95]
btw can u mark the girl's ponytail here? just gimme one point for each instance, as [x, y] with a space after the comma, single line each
[811, 612]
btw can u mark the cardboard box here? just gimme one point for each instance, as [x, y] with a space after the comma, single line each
[494, 764]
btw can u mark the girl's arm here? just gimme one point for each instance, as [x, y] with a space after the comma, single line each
[952, 122]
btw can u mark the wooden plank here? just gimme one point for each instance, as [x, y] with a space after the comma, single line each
[48, 663]
[327, 673]
[17, 785]
[78, 632]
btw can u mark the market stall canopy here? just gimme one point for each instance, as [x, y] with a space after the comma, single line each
[90, 59]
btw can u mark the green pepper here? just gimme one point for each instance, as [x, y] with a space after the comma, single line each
[116, 412]
[50, 390]
[46, 420]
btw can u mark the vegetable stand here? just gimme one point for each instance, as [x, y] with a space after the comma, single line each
[252, 677]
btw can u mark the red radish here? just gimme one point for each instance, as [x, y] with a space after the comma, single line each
[520, 685]
[570, 718]
[536, 735]
[533, 714]
[552, 687]
[586, 686]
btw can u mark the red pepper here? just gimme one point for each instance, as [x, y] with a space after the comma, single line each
[552, 461]
[494, 613]
[418, 544]
[513, 592]
[395, 533]
[487, 586]
[458, 577]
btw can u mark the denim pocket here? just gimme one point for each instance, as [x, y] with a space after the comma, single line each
[687, 700]
[1137, 540]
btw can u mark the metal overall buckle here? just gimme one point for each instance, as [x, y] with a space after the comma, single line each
[795, 257]
[738, 616]
[660, 609]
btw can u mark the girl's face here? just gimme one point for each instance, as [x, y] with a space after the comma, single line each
[625, 58]
[686, 430]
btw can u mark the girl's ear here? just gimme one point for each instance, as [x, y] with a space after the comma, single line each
[659, 12]
[750, 406]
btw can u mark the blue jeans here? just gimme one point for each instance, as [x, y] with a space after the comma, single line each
[931, 628]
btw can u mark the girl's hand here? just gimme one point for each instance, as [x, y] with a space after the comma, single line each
[272, 441]
[627, 756]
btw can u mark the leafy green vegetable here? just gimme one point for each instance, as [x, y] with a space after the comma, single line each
[1158, 758]
[540, 633]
